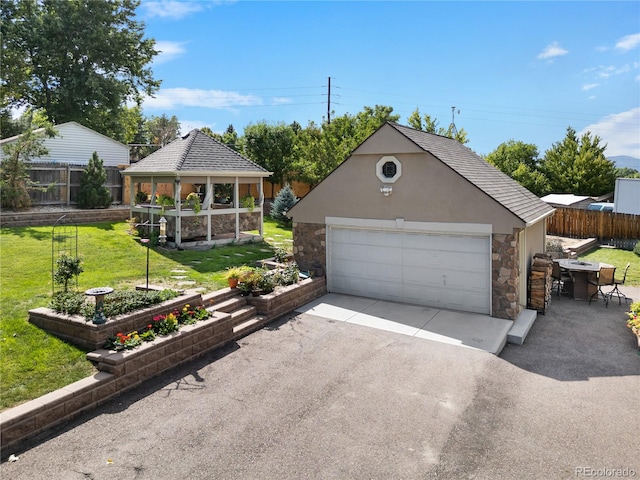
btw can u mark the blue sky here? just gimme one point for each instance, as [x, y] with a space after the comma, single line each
[515, 70]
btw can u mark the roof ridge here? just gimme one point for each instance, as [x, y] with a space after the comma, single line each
[190, 138]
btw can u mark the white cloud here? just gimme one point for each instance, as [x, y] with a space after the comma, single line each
[168, 51]
[589, 86]
[551, 51]
[628, 42]
[281, 100]
[620, 131]
[168, 98]
[172, 9]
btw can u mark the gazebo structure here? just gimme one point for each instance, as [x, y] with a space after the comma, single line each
[207, 192]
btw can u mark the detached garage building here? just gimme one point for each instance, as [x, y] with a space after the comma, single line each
[419, 218]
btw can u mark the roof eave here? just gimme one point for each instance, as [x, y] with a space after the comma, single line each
[206, 173]
[541, 217]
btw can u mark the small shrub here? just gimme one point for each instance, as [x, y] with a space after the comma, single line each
[67, 267]
[68, 303]
[636, 249]
[554, 246]
[280, 255]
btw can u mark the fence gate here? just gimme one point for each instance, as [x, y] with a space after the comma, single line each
[64, 240]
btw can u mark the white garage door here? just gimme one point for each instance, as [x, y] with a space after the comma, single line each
[443, 271]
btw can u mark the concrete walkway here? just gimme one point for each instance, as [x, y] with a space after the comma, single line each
[465, 329]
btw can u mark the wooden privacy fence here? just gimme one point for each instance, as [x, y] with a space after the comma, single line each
[64, 182]
[577, 223]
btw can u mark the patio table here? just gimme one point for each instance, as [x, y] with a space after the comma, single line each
[581, 272]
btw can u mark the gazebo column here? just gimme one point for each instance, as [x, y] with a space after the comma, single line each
[236, 204]
[177, 189]
[261, 205]
[208, 202]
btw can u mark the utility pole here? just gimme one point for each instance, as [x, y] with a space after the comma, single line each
[329, 102]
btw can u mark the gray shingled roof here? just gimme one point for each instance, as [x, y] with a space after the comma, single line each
[502, 188]
[195, 152]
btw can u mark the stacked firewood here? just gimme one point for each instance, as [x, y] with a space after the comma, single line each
[540, 282]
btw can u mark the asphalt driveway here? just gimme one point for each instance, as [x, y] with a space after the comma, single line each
[307, 397]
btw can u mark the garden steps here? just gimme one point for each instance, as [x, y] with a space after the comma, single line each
[245, 328]
[230, 305]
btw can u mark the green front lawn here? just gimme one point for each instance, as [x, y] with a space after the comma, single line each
[619, 259]
[32, 362]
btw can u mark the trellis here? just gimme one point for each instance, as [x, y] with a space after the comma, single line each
[64, 239]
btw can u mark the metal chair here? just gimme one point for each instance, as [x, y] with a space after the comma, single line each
[605, 277]
[559, 278]
[616, 291]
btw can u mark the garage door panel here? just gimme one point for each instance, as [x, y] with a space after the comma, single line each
[444, 271]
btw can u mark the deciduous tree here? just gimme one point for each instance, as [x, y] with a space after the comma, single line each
[78, 60]
[520, 161]
[271, 147]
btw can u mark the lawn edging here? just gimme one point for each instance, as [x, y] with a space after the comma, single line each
[121, 371]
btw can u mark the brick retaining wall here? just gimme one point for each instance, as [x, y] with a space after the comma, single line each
[73, 216]
[121, 371]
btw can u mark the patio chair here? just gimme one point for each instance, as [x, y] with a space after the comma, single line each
[616, 291]
[605, 277]
[559, 278]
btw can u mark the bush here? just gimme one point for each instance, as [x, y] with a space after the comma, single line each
[282, 204]
[636, 249]
[93, 193]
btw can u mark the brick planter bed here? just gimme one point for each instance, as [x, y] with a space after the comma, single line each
[89, 336]
[123, 370]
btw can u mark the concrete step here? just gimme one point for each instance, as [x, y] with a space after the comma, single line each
[248, 326]
[230, 305]
[241, 314]
[521, 326]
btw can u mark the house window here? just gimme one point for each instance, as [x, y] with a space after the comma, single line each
[388, 169]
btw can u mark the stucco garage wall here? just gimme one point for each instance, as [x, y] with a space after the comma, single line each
[427, 191]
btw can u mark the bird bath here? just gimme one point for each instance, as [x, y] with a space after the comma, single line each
[99, 293]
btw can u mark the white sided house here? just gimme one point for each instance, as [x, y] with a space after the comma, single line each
[75, 145]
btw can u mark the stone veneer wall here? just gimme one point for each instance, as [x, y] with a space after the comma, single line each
[195, 227]
[310, 245]
[505, 275]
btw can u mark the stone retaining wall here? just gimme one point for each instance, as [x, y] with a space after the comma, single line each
[89, 336]
[121, 371]
[34, 218]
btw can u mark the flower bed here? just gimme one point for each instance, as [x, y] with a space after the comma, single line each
[90, 336]
[160, 325]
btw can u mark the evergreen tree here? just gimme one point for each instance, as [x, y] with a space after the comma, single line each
[93, 193]
[285, 199]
